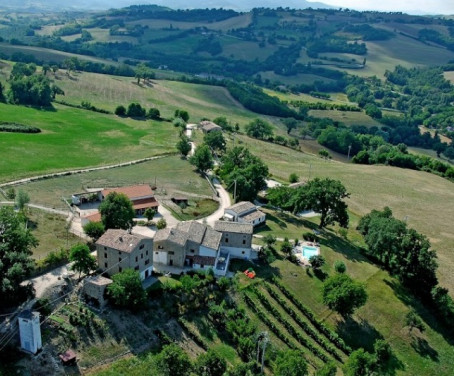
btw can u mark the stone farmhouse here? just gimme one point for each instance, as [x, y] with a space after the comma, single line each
[198, 246]
[209, 126]
[118, 250]
[244, 212]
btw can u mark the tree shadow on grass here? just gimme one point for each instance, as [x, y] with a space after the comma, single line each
[358, 333]
[422, 347]
[320, 274]
[204, 328]
[351, 251]
[428, 317]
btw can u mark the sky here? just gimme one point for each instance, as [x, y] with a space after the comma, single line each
[407, 6]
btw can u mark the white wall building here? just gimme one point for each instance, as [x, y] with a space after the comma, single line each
[30, 331]
[244, 212]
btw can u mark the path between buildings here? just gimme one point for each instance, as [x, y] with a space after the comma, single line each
[224, 202]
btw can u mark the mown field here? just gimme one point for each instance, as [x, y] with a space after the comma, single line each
[425, 200]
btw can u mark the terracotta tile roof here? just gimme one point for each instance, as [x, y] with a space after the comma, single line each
[120, 240]
[132, 191]
[95, 217]
[204, 260]
[235, 227]
[241, 207]
[145, 203]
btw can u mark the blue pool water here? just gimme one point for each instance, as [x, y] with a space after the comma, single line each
[309, 251]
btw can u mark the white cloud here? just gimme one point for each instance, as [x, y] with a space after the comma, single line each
[418, 6]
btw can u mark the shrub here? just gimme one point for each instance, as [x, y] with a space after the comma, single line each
[293, 178]
[339, 266]
[310, 237]
[120, 111]
[161, 224]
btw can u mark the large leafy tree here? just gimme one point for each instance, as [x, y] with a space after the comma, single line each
[243, 172]
[83, 261]
[290, 363]
[34, 90]
[359, 363]
[183, 145]
[259, 129]
[126, 290]
[94, 230]
[343, 294]
[202, 158]
[173, 361]
[211, 364]
[215, 140]
[16, 242]
[117, 211]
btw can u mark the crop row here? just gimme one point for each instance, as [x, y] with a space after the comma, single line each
[303, 324]
[193, 334]
[290, 328]
[330, 334]
[270, 324]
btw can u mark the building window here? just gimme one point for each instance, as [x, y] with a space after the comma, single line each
[105, 264]
[141, 255]
[105, 254]
[137, 267]
[244, 241]
[146, 253]
[192, 251]
[147, 261]
[137, 259]
[156, 253]
[141, 246]
[160, 247]
[226, 240]
[119, 259]
[171, 252]
[242, 253]
[105, 248]
[202, 266]
[119, 253]
[120, 269]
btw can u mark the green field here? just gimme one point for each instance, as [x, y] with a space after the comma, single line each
[171, 175]
[346, 117]
[425, 200]
[73, 138]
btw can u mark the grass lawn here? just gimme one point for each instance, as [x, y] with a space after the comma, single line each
[346, 117]
[425, 200]
[74, 138]
[170, 174]
[196, 208]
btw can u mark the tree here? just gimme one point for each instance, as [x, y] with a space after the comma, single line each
[326, 196]
[94, 230]
[182, 114]
[10, 193]
[290, 363]
[223, 123]
[243, 369]
[210, 364]
[412, 320]
[83, 261]
[343, 294]
[22, 199]
[286, 247]
[324, 153]
[290, 123]
[117, 211]
[2, 94]
[153, 113]
[328, 369]
[339, 266]
[202, 158]
[149, 213]
[293, 178]
[120, 110]
[33, 90]
[382, 352]
[173, 361]
[359, 363]
[184, 145]
[317, 261]
[16, 264]
[142, 71]
[161, 224]
[215, 140]
[135, 110]
[269, 240]
[126, 290]
[46, 68]
[259, 129]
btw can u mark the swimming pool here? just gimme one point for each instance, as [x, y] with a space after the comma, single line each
[308, 251]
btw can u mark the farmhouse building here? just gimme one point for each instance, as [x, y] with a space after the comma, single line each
[118, 250]
[244, 212]
[209, 126]
[142, 197]
[95, 289]
[236, 238]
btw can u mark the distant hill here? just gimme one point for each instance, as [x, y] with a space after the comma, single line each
[175, 4]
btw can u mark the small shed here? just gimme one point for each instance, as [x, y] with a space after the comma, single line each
[95, 288]
[208, 126]
[180, 200]
[68, 358]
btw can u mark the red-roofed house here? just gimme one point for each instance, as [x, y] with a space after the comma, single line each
[142, 197]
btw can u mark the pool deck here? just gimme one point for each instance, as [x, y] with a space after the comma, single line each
[299, 255]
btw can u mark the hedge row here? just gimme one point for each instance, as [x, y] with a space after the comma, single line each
[303, 324]
[290, 328]
[330, 334]
[18, 128]
[271, 325]
[193, 334]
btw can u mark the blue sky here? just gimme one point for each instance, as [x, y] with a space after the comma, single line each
[407, 6]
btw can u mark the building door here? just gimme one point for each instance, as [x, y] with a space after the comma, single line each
[146, 273]
[170, 262]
